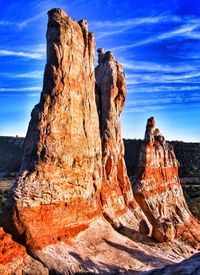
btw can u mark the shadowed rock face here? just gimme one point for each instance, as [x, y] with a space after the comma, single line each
[189, 266]
[119, 206]
[57, 192]
[159, 192]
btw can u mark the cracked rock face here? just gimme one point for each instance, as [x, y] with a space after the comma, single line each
[57, 192]
[119, 206]
[15, 260]
[73, 174]
[159, 192]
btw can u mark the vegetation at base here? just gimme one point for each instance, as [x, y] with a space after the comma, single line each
[10, 154]
[194, 206]
[3, 198]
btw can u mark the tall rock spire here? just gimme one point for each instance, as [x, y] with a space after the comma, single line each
[159, 192]
[119, 205]
[73, 174]
[57, 192]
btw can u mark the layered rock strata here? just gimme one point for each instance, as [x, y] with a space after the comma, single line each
[57, 192]
[159, 192]
[60, 190]
[73, 173]
[119, 206]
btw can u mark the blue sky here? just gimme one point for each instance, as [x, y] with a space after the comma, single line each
[156, 41]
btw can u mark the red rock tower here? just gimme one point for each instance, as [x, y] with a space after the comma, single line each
[159, 192]
[57, 191]
[119, 205]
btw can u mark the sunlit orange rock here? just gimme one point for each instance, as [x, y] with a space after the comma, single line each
[57, 192]
[159, 192]
[64, 183]
[15, 260]
[119, 205]
[73, 174]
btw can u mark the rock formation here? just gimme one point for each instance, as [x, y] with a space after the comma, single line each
[57, 191]
[73, 174]
[119, 206]
[15, 260]
[159, 192]
[60, 192]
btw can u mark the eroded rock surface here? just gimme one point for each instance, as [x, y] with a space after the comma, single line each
[15, 260]
[159, 192]
[119, 205]
[57, 191]
[73, 174]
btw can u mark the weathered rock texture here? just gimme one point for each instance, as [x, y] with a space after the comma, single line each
[159, 192]
[119, 206]
[57, 192]
[73, 172]
[15, 260]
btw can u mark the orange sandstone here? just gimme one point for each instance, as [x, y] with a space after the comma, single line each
[159, 191]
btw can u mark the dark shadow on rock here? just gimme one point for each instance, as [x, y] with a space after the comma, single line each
[137, 236]
[140, 255]
[102, 268]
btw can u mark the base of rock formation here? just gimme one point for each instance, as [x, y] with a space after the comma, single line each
[159, 193]
[72, 205]
[15, 260]
[102, 250]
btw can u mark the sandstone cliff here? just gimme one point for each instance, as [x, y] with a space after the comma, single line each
[73, 174]
[57, 192]
[159, 193]
[119, 206]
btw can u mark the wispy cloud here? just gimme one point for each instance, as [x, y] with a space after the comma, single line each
[22, 89]
[34, 74]
[33, 95]
[6, 23]
[136, 65]
[136, 21]
[161, 88]
[137, 78]
[147, 79]
[121, 26]
[144, 105]
[110, 33]
[174, 99]
[31, 19]
[184, 31]
[31, 55]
